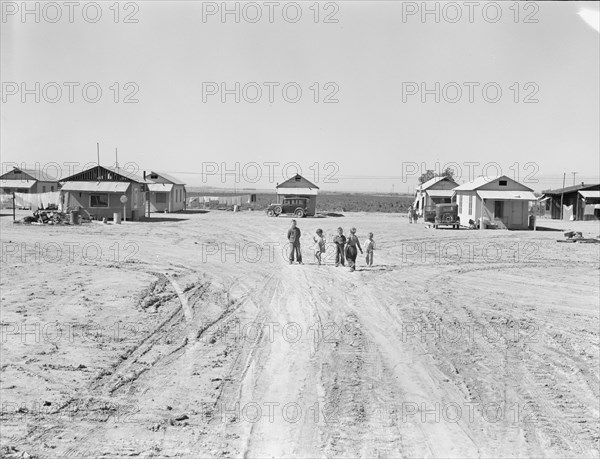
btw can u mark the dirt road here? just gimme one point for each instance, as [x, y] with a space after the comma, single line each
[193, 336]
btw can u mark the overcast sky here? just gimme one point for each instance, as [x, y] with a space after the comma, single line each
[375, 135]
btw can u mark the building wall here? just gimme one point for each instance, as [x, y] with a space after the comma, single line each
[462, 199]
[159, 206]
[178, 196]
[174, 200]
[515, 213]
[511, 185]
[134, 206]
[45, 187]
[38, 187]
[573, 199]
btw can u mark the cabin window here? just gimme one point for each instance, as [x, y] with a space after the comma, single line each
[43, 188]
[471, 205]
[161, 198]
[503, 183]
[154, 176]
[52, 188]
[99, 200]
[297, 178]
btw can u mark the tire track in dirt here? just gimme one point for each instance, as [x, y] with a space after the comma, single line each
[506, 362]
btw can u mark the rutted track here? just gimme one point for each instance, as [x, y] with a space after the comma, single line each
[335, 361]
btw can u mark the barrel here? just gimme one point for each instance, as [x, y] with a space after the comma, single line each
[74, 217]
[117, 218]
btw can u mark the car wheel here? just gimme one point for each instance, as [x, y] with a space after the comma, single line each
[277, 210]
[270, 213]
[299, 213]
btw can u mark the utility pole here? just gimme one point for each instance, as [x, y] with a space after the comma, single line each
[562, 194]
[98, 153]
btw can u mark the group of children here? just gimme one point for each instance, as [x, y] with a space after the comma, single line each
[346, 248]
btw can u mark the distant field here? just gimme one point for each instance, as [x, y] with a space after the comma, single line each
[335, 202]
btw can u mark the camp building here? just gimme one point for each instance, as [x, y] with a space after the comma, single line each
[438, 190]
[166, 193]
[99, 190]
[299, 187]
[500, 202]
[27, 181]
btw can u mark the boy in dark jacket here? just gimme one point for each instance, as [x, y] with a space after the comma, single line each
[340, 242]
[293, 236]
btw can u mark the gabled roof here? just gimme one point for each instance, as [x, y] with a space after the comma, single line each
[477, 183]
[297, 182]
[104, 173]
[167, 177]
[32, 174]
[484, 180]
[161, 187]
[127, 173]
[433, 181]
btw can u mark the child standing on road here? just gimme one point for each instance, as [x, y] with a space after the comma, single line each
[340, 242]
[410, 214]
[293, 236]
[351, 253]
[369, 247]
[319, 245]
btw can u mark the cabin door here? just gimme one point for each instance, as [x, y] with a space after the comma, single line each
[517, 212]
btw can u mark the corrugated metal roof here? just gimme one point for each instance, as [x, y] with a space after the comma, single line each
[507, 195]
[126, 173]
[165, 187]
[105, 187]
[433, 181]
[570, 189]
[474, 184]
[483, 180]
[168, 177]
[40, 175]
[34, 174]
[590, 194]
[11, 183]
[297, 182]
[440, 193]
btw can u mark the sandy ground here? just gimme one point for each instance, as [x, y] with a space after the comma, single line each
[192, 336]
